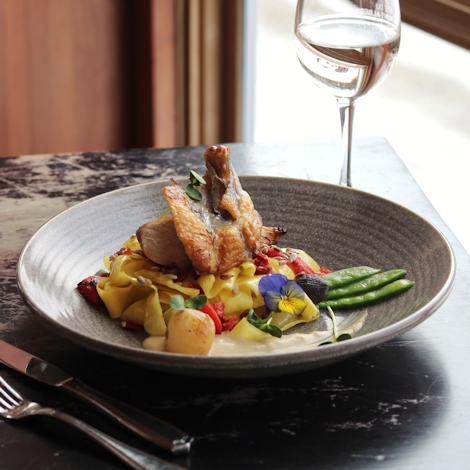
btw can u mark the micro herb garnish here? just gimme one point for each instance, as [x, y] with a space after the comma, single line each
[264, 324]
[194, 180]
[177, 302]
[342, 337]
[164, 213]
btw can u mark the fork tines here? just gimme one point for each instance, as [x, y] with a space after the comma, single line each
[8, 396]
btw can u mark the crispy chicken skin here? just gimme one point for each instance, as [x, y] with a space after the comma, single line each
[212, 235]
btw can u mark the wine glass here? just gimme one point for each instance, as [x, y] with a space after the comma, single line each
[348, 47]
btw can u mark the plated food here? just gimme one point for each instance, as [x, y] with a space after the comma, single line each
[208, 278]
[340, 226]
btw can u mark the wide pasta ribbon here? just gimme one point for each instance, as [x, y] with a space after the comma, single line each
[134, 292]
[237, 288]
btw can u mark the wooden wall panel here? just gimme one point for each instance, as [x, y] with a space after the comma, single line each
[164, 74]
[88, 75]
[64, 76]
[16, 123]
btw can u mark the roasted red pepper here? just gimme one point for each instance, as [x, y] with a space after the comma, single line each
[300, 266]
[123, 251]
[322, 270]
[209, 310]
[273, 253]
[87, 288]
[219, 307]
[227, 323]
[262, 264]
[221, 322]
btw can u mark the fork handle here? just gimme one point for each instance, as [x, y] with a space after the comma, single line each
[152, 429]
[133, 457]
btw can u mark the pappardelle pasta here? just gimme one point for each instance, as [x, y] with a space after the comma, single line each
[138, 292]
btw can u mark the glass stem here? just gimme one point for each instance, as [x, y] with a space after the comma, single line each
[346, 114]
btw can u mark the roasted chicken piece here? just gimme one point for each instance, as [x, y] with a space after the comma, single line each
[160, 243]
[216, 233]
[271, 235]
[222, 229]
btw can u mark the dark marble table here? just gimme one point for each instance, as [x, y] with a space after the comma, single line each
[402, 405]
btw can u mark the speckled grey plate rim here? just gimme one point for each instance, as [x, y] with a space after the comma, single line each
[239, 366]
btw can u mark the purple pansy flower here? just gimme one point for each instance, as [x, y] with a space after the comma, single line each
[281, 294]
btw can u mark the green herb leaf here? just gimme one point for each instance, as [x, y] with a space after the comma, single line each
[177, 302]
[254, 319]
[193, 193]
[196, 302]
[196, 179]
[264, 324]
[343, 337]
[273, 331]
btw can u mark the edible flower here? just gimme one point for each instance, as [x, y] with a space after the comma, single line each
[282, 295]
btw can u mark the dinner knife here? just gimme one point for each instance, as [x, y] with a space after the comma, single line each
[149, 427]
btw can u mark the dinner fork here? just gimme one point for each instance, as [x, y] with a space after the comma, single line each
[15, 406]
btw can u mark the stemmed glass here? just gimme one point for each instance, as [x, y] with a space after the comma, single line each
[348, 47]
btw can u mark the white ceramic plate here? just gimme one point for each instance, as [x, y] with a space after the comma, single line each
[340, 227]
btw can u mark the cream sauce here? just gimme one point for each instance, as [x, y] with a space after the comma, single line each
[228, 345]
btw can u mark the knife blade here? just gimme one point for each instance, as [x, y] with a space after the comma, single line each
[150, 428]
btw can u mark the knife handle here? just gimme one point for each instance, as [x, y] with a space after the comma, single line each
[152, 429]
